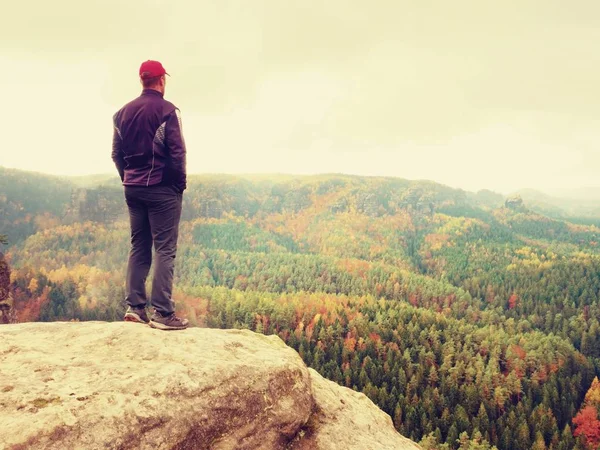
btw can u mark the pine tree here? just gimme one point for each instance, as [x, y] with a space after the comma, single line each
[452, 437]
[539, 443]
[522, 439]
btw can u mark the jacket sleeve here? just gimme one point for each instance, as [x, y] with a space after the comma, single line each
[176, 145]
[117, 149]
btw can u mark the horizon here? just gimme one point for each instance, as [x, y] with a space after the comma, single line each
[481, 96]
[564, 194]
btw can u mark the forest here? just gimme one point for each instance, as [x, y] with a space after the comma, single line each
[470, 318]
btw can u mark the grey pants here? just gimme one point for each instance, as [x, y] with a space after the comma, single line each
[154, 213]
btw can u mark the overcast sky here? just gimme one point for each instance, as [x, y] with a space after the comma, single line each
[474, 94]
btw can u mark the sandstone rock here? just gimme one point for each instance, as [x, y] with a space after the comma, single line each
[346, 420]
[97, 385]
[4, 278]
[6, 301]
[515, 202]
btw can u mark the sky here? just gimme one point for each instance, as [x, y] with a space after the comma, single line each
[473, 94]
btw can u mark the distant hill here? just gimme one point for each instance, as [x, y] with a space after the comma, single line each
[582, 204]
[588, 193]
[93, 180]
[29, 198]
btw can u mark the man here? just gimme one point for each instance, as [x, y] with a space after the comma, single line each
[149, 153]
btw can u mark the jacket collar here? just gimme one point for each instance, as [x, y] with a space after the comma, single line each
[152, 92]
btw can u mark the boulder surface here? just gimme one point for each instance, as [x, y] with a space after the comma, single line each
[121, 385]
[345, 419]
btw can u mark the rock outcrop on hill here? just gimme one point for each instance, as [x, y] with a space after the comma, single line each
[93, 385]
[515, 202]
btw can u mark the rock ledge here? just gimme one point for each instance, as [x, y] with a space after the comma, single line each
[98, 385]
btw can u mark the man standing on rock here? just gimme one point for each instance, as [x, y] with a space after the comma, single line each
[149, 153]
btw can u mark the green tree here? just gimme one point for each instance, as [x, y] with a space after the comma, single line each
[539, 443]
[567, 441]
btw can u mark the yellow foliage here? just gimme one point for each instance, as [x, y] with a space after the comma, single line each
[525, 251]
[33, 285]
[592, 397]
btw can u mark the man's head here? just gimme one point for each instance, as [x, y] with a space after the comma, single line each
[152, 76]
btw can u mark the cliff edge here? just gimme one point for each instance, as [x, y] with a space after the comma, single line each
[98, 385]
[6, 301]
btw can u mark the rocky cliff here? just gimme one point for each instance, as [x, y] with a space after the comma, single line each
[93, 385]
[6, 313]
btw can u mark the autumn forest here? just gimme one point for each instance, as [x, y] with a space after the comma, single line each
[470, 318]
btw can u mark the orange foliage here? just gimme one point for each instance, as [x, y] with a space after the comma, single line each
[356, 267]
[587, 425]
[29, 311]
[542, 374]
[308, 331]
[350, 343]
[436, 241]
[375, 337]
[518, 351]
[413, 299]
[513, 301]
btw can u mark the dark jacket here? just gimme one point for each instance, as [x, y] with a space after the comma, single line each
[148, 146]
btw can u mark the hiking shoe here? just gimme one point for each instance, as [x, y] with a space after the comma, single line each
[136, 315]
[169, 322]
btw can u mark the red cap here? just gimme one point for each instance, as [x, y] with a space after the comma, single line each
[151, 69]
